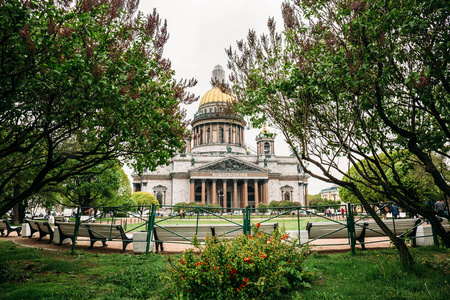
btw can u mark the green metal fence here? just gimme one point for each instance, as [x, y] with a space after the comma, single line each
[350, 222]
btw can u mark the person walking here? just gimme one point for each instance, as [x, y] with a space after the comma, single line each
[439, 206]
[384, 211]
[395, 211]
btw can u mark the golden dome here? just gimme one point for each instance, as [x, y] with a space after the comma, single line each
[264, 130]
[216, 95]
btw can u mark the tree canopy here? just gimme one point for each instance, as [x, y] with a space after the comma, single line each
[144, 199]
[83, 83]
[354, 80]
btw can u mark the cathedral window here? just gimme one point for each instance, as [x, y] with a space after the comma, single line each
[266, 148]
[221, 135]
[159, 197]
[201, 136]
[208, 136]
[229, 135]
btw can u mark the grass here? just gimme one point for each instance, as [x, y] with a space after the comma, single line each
[288, 223]
[27, 273]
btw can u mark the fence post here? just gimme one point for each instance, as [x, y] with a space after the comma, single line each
[77, 225]
[435, 238]
[150, 228]
[351, 227]
[246, 222]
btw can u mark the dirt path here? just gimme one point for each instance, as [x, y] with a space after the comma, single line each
[171, 248]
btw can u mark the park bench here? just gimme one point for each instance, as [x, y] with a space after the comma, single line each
[95, 232]
[43, 227]
[363, 229]
[4, 225]
[184, 233]
[61, 219]
[397, 226]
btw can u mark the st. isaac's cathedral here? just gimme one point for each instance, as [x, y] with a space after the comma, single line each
[216, 166]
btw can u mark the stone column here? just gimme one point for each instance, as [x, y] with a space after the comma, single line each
[306, 195]
[224, 193]
[203, 191]
[261, 192]
[255, 181]
[266, 191]
[213, 191]
[245, 192]
[192, 190]
[235, 193]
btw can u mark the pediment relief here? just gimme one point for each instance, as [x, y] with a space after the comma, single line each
[230, 165]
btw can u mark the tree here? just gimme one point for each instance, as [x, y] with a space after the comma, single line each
[83, 83]
[124, 191]
[411, 173]
[180, 206]
[143, 200]
[263, 208]
[354, 80]
[99, 189]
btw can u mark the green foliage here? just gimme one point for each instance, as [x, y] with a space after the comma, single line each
[124, 191]
[98, 276]
[99, 188]
[280, 206]
[354, 81]
[83, 83]
[213, 208]
[263, 208]
[324, 203]
[177, 207]
[257, 266]
[314, 198]
[143, 200]
[406, 169]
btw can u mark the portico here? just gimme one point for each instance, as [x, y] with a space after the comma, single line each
[231, 183]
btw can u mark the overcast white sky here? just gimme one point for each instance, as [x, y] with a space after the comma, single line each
[200, 30]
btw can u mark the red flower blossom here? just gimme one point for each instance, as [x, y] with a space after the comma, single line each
[247, 259]
[285, 236]
[183, 262]
[250, 236]
[198, 263]
[263, 255]
[258, 225]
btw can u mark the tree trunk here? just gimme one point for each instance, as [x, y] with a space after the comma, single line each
[405, 256]
[431, 216]
[16, 214]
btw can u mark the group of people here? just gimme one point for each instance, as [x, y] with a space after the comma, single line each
[331, 212]
[384, 210]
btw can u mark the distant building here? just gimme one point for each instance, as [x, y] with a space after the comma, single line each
[217, 167]
[331, 193]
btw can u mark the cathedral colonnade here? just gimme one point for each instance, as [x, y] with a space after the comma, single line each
[239, 193]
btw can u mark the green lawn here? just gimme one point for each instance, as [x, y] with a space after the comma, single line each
[290, 223]
[37, 274]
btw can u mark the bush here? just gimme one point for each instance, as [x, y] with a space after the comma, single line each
[121, 214]
[258, 266]
[179, 206]
[213, 208]
[262, 208]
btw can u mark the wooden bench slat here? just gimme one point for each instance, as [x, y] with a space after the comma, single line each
[95, 232]
[4, 225]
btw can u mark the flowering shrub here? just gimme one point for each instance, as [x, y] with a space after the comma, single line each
[260, 265]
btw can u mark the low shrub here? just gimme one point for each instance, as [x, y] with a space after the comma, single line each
[259, 265]
[121, 214]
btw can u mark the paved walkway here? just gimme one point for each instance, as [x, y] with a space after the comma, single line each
[171, 248]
